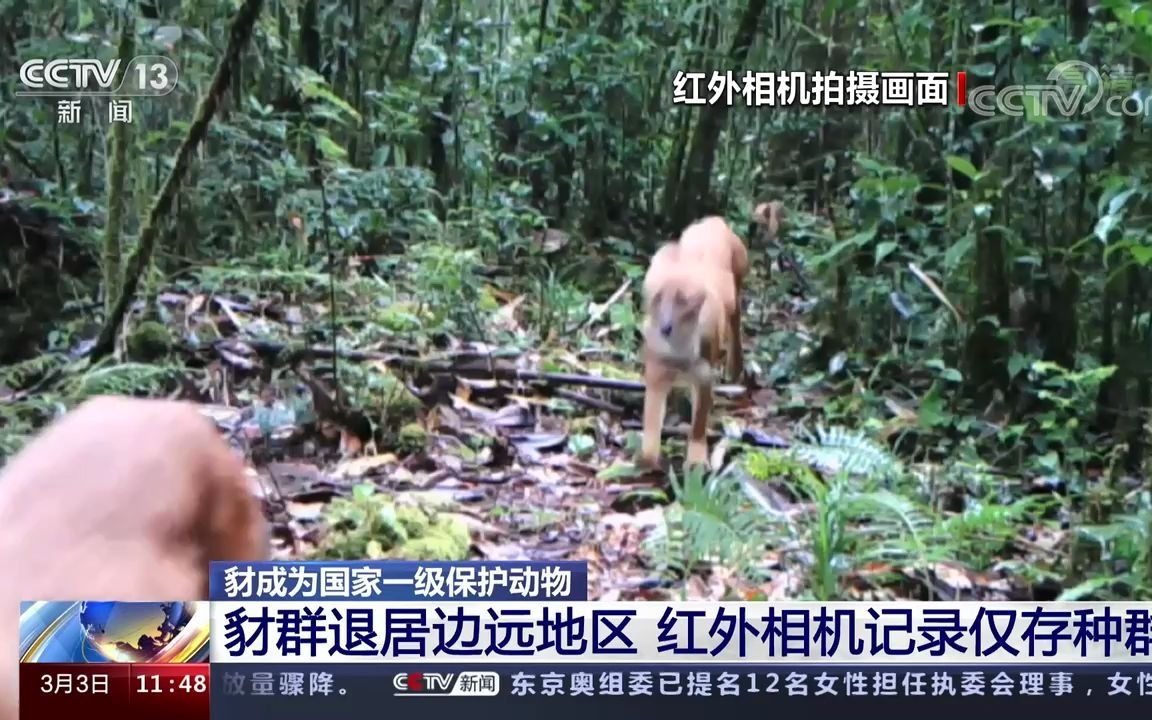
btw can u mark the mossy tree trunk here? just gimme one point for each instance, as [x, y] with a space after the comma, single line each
[238, 36]
[112, 260]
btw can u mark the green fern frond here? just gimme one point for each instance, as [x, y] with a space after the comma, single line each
[259, 279]
[839, 449]
[891, 526]
[711, 521]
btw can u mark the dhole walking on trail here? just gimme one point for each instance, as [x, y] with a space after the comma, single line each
[692, 295]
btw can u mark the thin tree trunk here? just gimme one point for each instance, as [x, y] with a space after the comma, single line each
[112, 260]
[238, 36]
[693, 196]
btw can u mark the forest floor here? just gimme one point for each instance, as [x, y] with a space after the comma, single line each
[531, 450]
[526, 440]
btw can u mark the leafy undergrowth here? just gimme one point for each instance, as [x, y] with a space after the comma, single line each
[415, 444]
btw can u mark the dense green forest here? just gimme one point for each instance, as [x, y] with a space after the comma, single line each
[394, 248]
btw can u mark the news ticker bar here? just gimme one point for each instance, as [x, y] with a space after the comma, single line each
[257, 691]
[690, 633]
[399, 580]
[115, 691]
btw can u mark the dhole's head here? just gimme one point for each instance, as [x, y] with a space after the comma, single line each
[674, 312]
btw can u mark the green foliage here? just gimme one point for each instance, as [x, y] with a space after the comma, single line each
[854, 520]
[19, 421]
[28, 372]
[372, 525]
[711, 521]
[148, 342]
[842, 450]
[382, 395]
[725, 518]
[123, 379]
[1122, 546]
[867, 511]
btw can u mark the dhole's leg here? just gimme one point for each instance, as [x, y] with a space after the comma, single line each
[736, 338]
[657, 384]
[698, 437]
[735, 349]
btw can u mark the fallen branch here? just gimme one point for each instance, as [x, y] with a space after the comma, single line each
[598, 311]
[591, 402]
[935, 290]
[469, 365]
[683, 430]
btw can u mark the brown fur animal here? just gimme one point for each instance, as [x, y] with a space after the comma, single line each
[121, 499]
[769, 215]
[692, 305]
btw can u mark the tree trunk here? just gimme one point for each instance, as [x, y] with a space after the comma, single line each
[238, 36]
[693, 195]
[986, 351]
[439, 121]
[118, 140]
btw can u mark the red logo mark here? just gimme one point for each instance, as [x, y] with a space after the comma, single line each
[416, 682]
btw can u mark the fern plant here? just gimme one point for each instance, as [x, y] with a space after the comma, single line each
[840, 449]
[854, 516]
[711, 521]
[1122, 544]
[851, 516]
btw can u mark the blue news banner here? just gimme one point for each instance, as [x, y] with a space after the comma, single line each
[365, 639]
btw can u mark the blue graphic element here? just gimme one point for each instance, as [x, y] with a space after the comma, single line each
[69, 631]
[132, 632]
